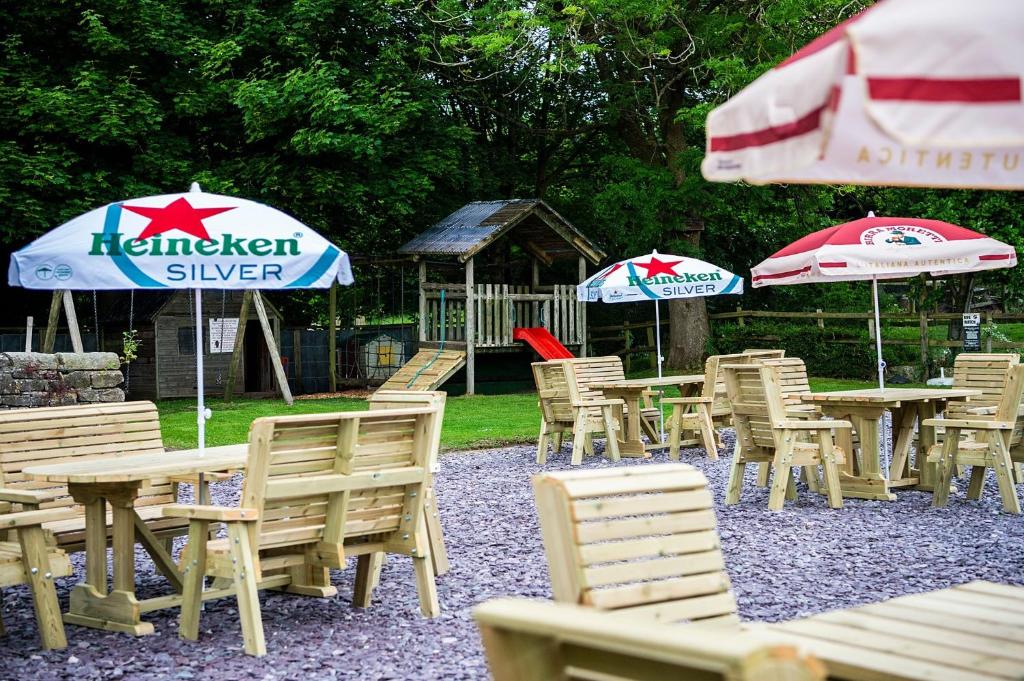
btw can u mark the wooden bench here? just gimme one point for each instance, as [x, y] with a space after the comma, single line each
[766, 433]
[568, 407]
[31, 560]
[533, 641]
[59, 434]
[319, 488]
[639, 540]
[721, 413]
[993, 441]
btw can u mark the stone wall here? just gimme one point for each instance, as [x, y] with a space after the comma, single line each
[34, 379]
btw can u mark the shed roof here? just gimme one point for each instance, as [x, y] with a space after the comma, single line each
[538, 228]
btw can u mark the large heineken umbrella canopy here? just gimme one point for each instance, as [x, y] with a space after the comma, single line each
[655, 277]
[908, 92]
[883, 248]
[181, 241]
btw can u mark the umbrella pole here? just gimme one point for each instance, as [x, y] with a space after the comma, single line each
[657, 347]
[878, 334]
[200, 389]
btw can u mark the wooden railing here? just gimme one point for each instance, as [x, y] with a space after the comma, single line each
[498, 309]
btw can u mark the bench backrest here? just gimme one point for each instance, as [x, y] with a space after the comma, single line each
[987, 372]
[640, 539]
[528, 640]
[583, 373]
[714, 376]
[791, 373]
[553, 391]
[756, 400]
[1009, 406]
[404, 399]
[83, 431]
[321, 479]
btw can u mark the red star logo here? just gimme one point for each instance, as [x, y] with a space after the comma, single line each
[178, 214]
[656, 267]
[611, 270]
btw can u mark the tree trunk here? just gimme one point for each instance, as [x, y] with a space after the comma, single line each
[688, 333]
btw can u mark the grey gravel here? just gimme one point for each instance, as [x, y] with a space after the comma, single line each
[803, 560]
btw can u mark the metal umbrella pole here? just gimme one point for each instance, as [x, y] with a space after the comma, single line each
[202, 413]
[878, 334]
[657, 346]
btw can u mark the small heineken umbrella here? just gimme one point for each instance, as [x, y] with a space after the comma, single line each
[181, 241]
[883, 248]
[658, 277]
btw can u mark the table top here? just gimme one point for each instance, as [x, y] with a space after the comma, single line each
[888, 395]
[971, 632]
[139, 467]
[655, 382]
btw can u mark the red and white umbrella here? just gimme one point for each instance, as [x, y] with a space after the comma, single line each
[908, 92]
[883, 248]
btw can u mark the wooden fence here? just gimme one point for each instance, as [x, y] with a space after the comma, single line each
[628, 335]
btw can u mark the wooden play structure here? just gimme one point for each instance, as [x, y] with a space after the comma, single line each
[487, 262]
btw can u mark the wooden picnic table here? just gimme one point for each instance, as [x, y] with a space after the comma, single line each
[861, 476]
[94, 484]
[971, 632]
[631, 391]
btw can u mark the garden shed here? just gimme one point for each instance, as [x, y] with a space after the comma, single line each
[494, 266]
[166, 364]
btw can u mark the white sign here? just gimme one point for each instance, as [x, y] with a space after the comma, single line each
[222, 334]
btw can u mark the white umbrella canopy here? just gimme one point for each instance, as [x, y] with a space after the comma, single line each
[907, 93]
[874, 248]
[658, 276]
[192, 240]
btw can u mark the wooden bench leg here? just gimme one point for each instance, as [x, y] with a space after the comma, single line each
[367, 571]
[791, 487]
[977, 483]
[193, 578]
[707, 431]
[736, 469]
[244, 569]
[940, 496]
[675, 431]
[1004, 475]
[426, 587]
[435, 535]
[781, 479]
[556, 441]
[44, 594]
[611, 434]
[578, 436]
[831, 469]
[763, 473]
[542, 443]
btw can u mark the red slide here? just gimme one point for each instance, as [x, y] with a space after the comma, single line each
[541, 340]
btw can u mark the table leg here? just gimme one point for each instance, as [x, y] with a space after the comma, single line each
[634, 444]
[91, 605]
[864, 481]
[903, 420]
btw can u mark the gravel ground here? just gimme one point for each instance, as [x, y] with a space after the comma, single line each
[803, 560]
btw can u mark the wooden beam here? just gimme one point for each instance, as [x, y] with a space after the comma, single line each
[538, 252]
[51, 323]
[581, 332]
[72, 317]
[275, 355]
[470, 330]
[423, 300]
[236, 352]
[332, 338]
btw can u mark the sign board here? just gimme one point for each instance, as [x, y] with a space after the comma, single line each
[222, 334]
[972, 332]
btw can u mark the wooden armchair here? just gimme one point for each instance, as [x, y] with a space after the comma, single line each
[990, 442]
[765, 433]
[318, 489]
[639, 540]
[566, 408]
[721, 413]
[30, 559]
[533, 641]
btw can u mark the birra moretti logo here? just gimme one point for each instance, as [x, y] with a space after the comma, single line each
[190, 239]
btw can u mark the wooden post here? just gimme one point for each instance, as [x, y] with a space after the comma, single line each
[332, 336]
[627, 357]
[51, 323]
[423, 301]
[651, 330]
[922, 320]
[28, 334]
[871, 329]
[988, 339]
[236, 352]
[72, 317]
[297, 353]
[821, 320]
[582, 307]
[275, 355]
[470, 330]
[740, 320]
[534, 286]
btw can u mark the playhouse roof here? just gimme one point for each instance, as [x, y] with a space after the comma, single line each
[538, 229]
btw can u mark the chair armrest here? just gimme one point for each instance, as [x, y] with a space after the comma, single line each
[222, 514]
[23, 496]
[791, 424]
[12, 521]
[218, 476]
[688, 400]
[601, 403]
[972, 424]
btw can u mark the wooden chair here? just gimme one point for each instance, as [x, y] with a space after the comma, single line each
[765, 433]
[529, 641]
[403, 399]
[987, 372]
[639, 540]
[721, 413]
[566, 408]
[318, 489]
[30, 559]
[791, 373]
[93, 431]
[991, 442]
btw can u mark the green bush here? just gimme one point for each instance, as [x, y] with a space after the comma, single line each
[818, 347]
